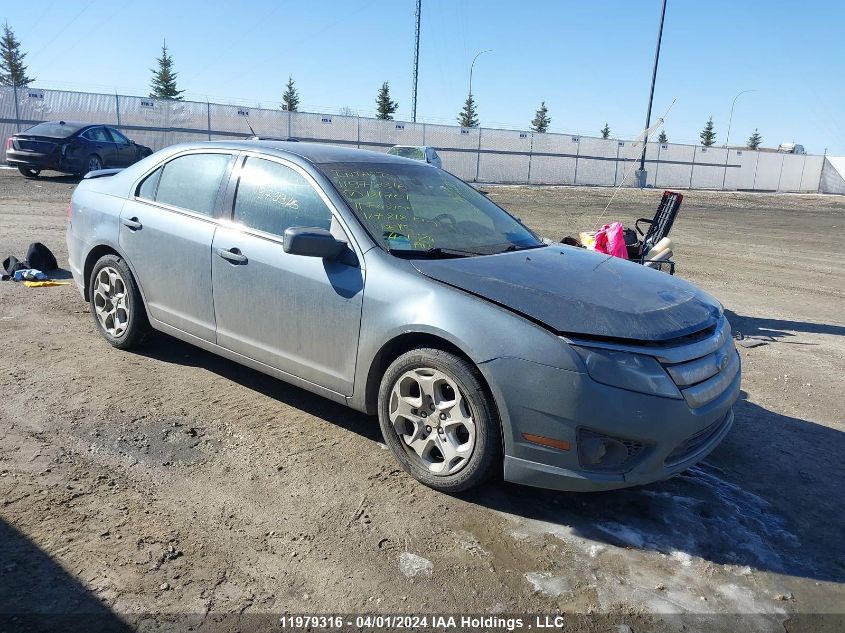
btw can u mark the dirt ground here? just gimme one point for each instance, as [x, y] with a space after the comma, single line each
[169, 489]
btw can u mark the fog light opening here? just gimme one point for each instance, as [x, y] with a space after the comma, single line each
[603, 452]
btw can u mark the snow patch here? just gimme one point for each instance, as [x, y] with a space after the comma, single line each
[412, 565]
[546, 583]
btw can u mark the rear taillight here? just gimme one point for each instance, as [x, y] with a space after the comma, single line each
[9, 145]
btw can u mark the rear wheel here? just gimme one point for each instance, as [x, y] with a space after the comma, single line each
[28, 172]
[93, 163]
[439, 421]
[116, 303]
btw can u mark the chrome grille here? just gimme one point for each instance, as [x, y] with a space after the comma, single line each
[705, 369]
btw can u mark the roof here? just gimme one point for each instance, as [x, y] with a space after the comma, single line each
[312, 152]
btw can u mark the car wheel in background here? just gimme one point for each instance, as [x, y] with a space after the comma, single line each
[93, 163]
[439, 421]
[116, 303]
[28, 172]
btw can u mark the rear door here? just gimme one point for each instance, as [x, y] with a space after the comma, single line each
[166, 231]
[298, 314]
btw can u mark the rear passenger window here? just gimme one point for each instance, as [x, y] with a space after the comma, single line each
[147, 190]
[272, 197]
[192, 182]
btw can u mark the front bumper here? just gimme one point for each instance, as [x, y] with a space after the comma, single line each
[540, 400]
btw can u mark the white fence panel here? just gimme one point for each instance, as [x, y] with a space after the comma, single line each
[812, 173]
[547, 167]
[768, 171]
[790, 174]
[629, 162]
[675, 167]
[504, 157]
[709, 168]
[741, 177]
[596, 161]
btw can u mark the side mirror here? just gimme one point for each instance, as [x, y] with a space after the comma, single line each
[312, 242]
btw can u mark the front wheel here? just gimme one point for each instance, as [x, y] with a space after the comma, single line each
[116, 303]
[28, 172]
[438, 420]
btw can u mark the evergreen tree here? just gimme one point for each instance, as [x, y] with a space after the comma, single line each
[541, 119]
[708, 136]
[290, 100]
[164, 78]
[469, 114]
[663, 139]
[385, 106]
[755, 140]
[12, 69]
[605, 131]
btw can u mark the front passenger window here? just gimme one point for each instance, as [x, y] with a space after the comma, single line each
[272, 197]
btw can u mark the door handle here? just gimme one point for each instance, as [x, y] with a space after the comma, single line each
[133, 224]
[233, 255]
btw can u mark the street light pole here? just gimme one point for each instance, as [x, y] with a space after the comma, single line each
[641, 174]
[731, 118]
[416, 59]
[728, 135]
[472, 65]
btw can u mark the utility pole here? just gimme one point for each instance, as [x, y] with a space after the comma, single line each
[641, 172]
[416, 60]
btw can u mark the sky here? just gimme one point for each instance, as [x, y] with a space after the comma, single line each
[591, 62]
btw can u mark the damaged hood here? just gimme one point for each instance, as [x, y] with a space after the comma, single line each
[575, 291]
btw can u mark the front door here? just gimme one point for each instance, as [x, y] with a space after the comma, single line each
[166, 232]
[295, 313]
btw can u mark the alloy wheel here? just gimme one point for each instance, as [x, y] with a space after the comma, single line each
[111, 301]
[433, 420]
[94, 164]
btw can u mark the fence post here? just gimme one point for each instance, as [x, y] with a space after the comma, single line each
[616, 163]
[117, 108]
[358, 129]
[692, 167]
[801, 180]
[780, 173]
[530, 156]
[577, 154]
[478, 156]
[17, 109]
[657, 164]
[756, 164]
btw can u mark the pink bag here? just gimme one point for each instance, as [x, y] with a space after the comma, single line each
[610, 239]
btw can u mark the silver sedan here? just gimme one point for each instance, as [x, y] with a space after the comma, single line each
[401, 291]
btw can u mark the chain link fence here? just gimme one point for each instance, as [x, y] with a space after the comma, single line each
[473, 154]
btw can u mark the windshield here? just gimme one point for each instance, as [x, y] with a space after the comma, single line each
[413, 209]
[54, 129]
[408, 152]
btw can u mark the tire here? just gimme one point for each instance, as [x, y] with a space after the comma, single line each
[116, 303]
[28, 172]
[93, 163]
[451, 444]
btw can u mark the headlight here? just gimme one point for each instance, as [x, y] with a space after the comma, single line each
[625, 370]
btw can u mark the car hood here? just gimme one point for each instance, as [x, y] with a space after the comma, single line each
[575, 291]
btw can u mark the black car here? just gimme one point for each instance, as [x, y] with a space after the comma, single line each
[71, 147]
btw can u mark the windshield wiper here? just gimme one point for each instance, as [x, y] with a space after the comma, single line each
[517, 247]
[432, 252]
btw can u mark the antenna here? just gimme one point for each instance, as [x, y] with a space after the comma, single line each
[246, 118]
[640, 139]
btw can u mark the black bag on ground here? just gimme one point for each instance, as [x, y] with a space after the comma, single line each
[11, 264]
[40, 257]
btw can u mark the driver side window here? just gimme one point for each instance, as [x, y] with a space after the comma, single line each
[272, 197]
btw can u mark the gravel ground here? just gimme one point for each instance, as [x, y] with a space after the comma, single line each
[169, 483]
